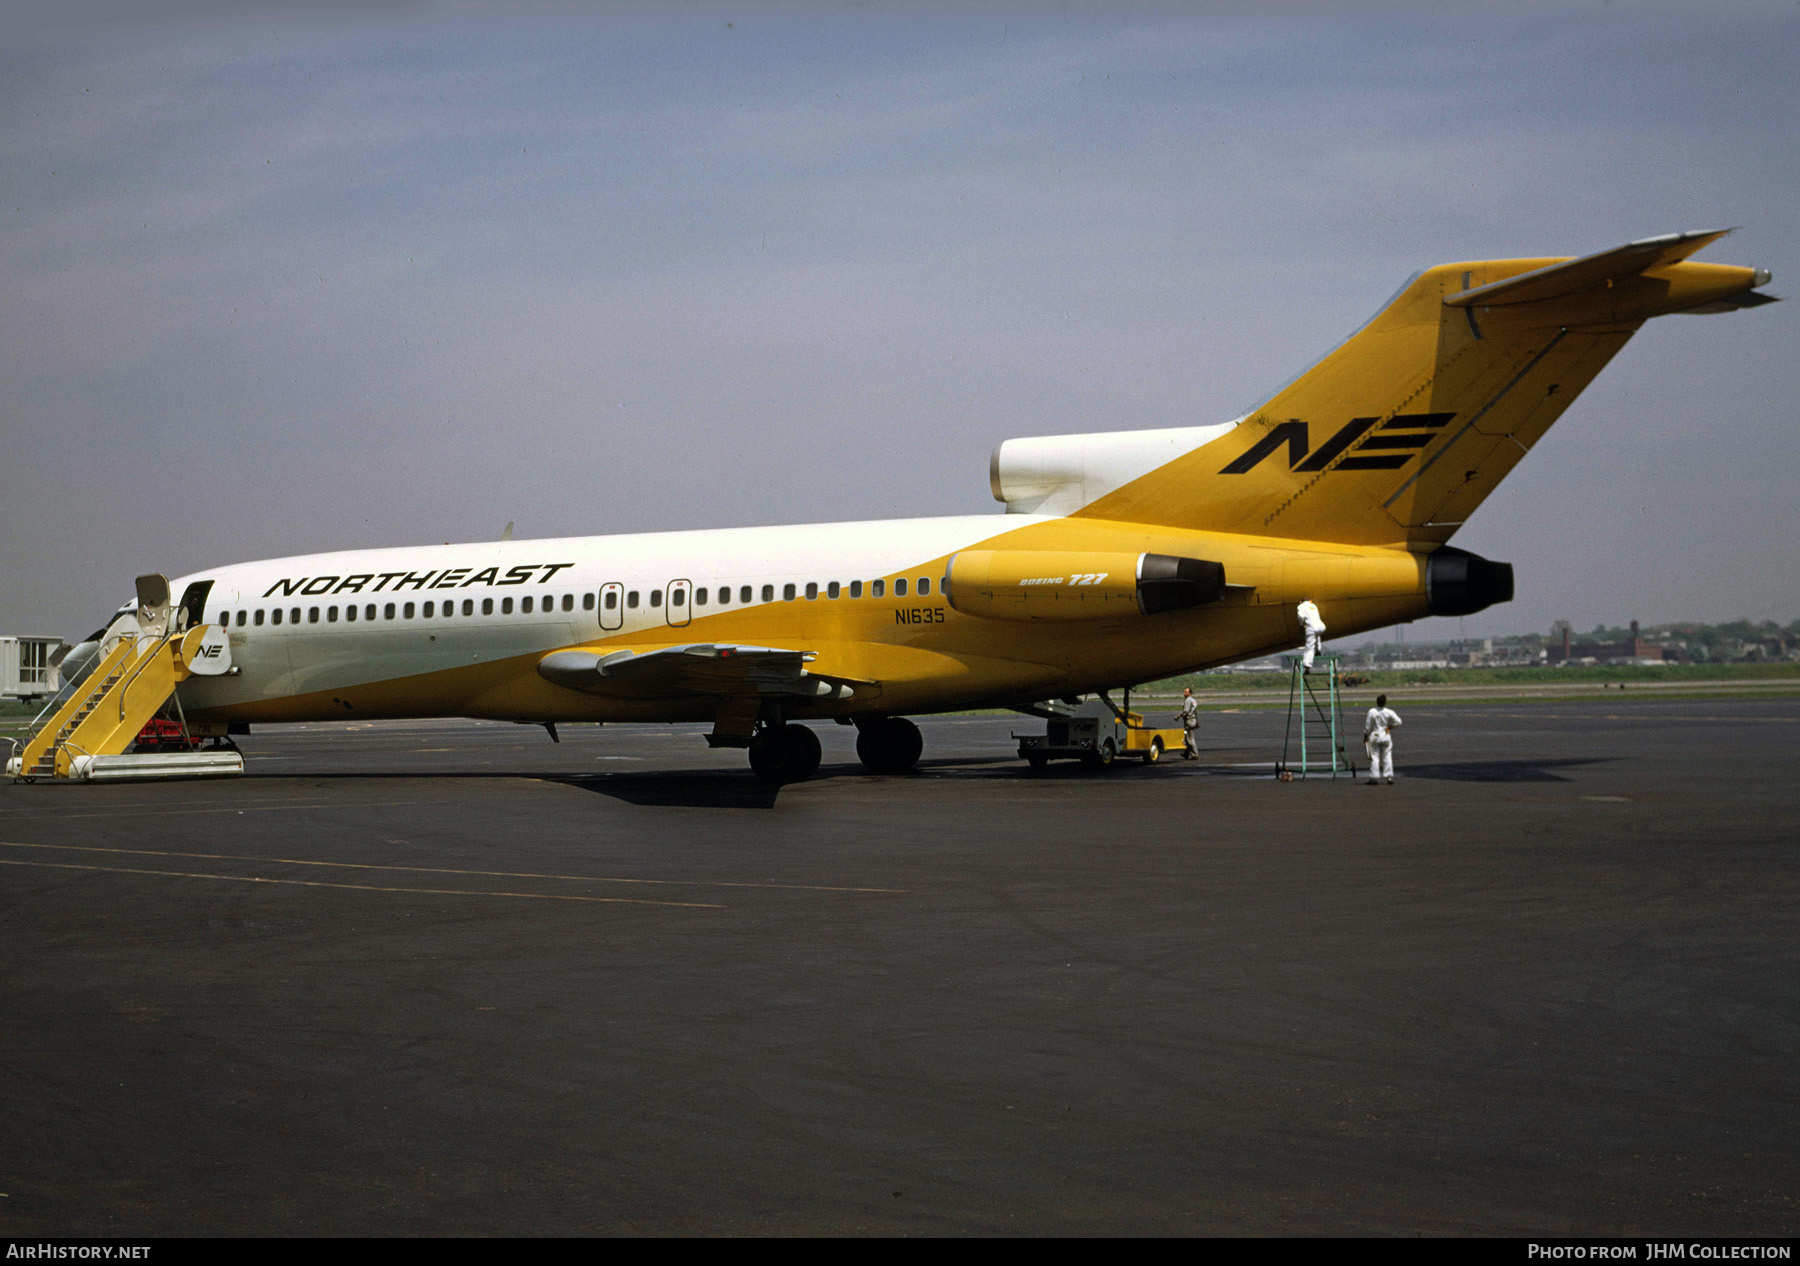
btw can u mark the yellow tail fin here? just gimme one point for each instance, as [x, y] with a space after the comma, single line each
[1397, 436]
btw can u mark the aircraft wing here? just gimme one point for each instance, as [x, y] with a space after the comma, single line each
[697, 668]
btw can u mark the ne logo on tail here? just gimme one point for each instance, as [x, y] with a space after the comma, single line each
[1401, 436]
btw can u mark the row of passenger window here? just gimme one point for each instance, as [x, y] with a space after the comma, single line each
[406, 611]
[610, 601]
[876, 589]
[833, 589]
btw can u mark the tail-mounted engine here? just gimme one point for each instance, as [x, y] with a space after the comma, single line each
[1066, 585]
[1460, 583]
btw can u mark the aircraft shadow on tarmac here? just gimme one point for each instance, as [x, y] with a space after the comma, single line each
[683, 788]
[677, 789]
[730, 789]
[1499, 770]
[697, 789]
[709, 789]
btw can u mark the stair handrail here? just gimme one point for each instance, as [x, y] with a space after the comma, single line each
[56, 702]
[74, 747]
[70, 687]
[143, 662]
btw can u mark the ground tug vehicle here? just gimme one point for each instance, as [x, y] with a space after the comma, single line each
[1097, 733]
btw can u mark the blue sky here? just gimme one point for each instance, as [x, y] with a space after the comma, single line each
[285, 280]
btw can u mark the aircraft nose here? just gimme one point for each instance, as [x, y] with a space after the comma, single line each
[1763, 277]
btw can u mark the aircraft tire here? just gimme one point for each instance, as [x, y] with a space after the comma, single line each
[784, 754]
[800, 752]
[909, 744]
[869, 748]
[889, 746]
[766, 753]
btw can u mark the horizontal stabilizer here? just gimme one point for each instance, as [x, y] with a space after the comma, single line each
[1590, 270]
[1732, 303]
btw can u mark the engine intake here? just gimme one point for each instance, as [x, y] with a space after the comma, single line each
[1077, 585]
[1168, 583]
[1460, 583]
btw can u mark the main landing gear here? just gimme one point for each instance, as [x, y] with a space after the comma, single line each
[888, 745]
[784, 753]
[790, 753]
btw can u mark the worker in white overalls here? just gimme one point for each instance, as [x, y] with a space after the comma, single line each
[1190, 721]
[1378, 740]
[1314, 625]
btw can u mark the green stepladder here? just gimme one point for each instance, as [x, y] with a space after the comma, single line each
[1320, 720]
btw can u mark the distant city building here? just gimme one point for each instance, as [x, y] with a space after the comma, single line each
[1267, 664]
[1484, 654]
[1633, 650]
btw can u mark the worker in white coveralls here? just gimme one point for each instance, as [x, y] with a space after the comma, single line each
[1315, 632]
[1378, 740]
[1190, 721]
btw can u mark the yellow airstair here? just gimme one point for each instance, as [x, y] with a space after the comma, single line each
[87, 735]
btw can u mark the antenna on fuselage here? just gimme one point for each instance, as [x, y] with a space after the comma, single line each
[507, 535]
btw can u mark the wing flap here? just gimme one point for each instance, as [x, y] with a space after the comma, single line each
[693, 669]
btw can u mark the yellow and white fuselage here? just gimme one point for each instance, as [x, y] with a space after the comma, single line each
[461, 630]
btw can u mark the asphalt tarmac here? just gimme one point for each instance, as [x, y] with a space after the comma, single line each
[450, 978]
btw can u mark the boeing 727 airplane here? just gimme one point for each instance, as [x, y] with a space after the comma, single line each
[1121, 557]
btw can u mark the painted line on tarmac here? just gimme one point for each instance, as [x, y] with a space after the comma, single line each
[132, 805]
[163, 813]
[315, 883]
[445, 870]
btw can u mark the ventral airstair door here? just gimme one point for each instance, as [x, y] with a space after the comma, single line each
[681, 595]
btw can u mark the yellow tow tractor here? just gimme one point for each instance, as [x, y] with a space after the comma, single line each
[1095, 732]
